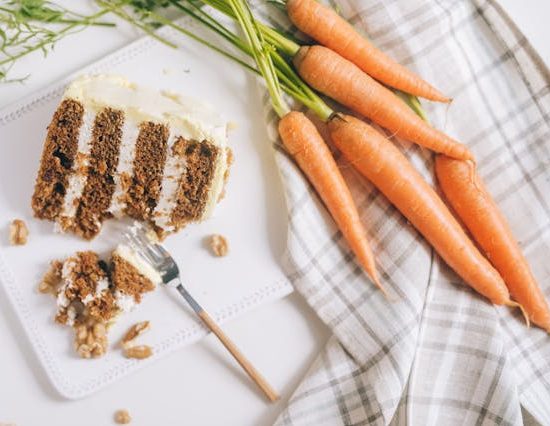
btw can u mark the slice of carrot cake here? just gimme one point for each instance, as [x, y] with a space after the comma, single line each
[116, 149]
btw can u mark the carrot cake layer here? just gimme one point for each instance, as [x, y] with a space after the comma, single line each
[116, 149]
[99, 175]
[58, 156]
[192, 194]
[150, 156]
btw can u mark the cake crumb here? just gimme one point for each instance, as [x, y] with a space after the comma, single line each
[232, 125]
[218, 245]
[19, 233]
[122, 417]
[138, 352]
[134, 332]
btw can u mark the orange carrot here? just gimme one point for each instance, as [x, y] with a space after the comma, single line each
[328, 28]
[390, 171]
[481, 215]
[307, 147]
[340, 79]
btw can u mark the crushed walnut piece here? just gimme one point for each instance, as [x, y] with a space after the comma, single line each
[218, 245]
[51, 279]
[19, 233]
[91, 339]
[122, 417]
[138, 352]
[132, 334]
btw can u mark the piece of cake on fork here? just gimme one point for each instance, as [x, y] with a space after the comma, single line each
[116, 149]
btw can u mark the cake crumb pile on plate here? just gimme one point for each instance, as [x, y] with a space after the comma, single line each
[91, 294]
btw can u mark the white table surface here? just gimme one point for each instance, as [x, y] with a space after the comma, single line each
[199, 385]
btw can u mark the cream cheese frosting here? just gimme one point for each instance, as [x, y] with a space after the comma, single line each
[77, 180]
[173, 169]
[188, 117]
[125, 167]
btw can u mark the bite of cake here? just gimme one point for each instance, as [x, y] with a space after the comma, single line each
[131, 277]
[115, 149]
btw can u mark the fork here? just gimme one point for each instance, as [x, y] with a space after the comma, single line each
[159, 258]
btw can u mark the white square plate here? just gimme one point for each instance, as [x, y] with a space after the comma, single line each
[252, 216]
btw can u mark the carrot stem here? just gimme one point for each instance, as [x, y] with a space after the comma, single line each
[293, 84]
[282, 43]
[261, 56]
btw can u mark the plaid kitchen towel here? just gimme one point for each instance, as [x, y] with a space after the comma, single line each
[437, 353]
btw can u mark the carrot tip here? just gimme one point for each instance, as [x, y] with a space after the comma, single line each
[376, 280]
[513, 304]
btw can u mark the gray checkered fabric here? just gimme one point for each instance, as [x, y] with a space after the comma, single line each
[437, 353]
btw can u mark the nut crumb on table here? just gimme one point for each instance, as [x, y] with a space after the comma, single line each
[219, 245]
[122, 417]
[19, 232]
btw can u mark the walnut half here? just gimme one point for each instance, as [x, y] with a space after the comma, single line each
[219, 245]
[138, 352]
[133, 333]
[122, 417]
[91, 339]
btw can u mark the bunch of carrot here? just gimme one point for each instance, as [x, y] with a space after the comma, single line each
[349, 69]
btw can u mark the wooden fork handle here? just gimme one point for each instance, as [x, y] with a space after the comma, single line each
[239, 357]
